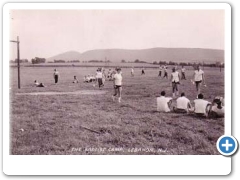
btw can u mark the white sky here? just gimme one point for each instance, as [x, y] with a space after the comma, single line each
[45, 33]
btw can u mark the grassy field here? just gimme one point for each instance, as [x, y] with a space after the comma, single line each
[93, 124]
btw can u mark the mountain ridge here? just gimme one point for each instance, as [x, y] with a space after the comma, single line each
[148, 55]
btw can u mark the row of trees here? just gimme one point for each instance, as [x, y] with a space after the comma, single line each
[136, 61]
[38, 60]
[21, 61]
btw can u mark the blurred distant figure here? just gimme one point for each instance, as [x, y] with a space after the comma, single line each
[109, 73]
[183, 105]
[75, 80]
[93, 78]
[183, 73]
[143, 72]
[99, 76]
[165, 72]
[201, 107]
[175, 78]
[104, 75]
[160, 71]
[164, 103]
[56, 76]
[217, 109]
[132, 72]
[112, 75]
[37, 84]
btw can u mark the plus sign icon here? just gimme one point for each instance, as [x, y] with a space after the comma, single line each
[227, 145]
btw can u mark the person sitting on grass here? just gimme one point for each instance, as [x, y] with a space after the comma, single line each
[164, 103]
[93, 78]
[37, 84]
[217, 109]
[202, 107]
[183, 105]
[75, 80]
[86, 79]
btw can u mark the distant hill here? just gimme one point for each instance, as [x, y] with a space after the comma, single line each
[67, 56]
[148, 55]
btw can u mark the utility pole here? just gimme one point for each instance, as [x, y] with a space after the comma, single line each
[18, 59]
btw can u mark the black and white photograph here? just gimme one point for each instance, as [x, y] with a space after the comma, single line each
[116, 81]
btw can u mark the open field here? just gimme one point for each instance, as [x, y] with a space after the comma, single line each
[71, 123]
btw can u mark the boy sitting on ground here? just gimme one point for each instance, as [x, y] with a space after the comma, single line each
[87, 79]
[183, 105]
[202, 107]
[75, 80]
[217, 109]
[37, 84]
[164, 103]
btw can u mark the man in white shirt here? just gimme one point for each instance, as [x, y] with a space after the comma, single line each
[183, 105]
[117, 83]
[199, 78]
[99, 77]
[56, 76]
[175, 78]
[202, 107]
[164, 103]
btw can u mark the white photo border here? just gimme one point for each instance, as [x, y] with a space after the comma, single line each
[114, 164]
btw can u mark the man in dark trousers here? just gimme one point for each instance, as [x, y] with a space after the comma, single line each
[56, 76]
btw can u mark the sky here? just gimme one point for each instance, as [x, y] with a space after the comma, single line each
[46, 33]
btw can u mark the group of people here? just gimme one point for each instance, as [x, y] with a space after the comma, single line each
[163, 70]
[164, 104]
[201, 106]
[198, 79]
[89, 78]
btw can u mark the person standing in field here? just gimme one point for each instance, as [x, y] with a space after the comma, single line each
[56, 76]
[132, 72]
[165, 72]
[198, 77]
[103, 76]
[117, 83]
[143, 72]
[183, 73]
[175, 79]
[109, 74]
[99, 76]
[160, 71]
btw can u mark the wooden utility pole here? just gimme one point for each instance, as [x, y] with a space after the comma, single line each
[18, 59]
